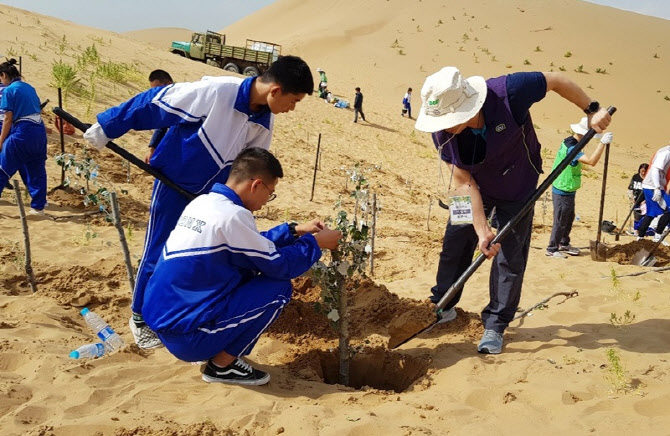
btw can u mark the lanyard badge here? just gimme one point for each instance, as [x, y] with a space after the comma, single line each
[461, 209]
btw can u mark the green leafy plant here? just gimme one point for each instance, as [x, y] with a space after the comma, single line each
[601, 71]
[623, 320]
[346, 263]
[62, 45]
[86, 170]
[580, 69]
[64, 77]
[618, 376]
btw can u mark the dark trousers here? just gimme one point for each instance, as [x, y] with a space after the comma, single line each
[507, 271]
[358, 110]
[564, 215]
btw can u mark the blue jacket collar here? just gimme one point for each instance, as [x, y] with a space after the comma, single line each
[261, 117]
[220, 188]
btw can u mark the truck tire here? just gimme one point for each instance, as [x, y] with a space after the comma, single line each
[179, 53]
[233, 68]
[251, 72]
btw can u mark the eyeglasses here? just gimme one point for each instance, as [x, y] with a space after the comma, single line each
[272, 192]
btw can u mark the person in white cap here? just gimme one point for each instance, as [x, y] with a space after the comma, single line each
[565, 187]
[484, 129]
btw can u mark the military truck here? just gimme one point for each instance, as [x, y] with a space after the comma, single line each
[210, 47]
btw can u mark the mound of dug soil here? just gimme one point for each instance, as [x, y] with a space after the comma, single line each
[623, 254]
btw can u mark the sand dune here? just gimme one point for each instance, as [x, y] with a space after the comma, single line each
[554, 374]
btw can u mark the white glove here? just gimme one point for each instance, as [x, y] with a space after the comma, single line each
[658, 195]
[96, 136]
[607, 138]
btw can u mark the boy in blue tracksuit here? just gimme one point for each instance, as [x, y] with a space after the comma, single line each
[219, 283]
[210, 122]
[23, 138]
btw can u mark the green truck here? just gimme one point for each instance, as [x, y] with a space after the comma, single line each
[210, 47]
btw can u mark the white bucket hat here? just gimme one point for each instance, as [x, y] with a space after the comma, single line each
[319, 70]
[448, 100]
[582, 127]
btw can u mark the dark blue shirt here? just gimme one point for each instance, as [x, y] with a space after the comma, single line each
[523, 90]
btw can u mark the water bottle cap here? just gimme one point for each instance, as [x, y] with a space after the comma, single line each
[84, 311]
[74, 355]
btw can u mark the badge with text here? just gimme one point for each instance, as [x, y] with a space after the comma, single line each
[461, 209]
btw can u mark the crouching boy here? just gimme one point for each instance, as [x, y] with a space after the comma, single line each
[220, 283]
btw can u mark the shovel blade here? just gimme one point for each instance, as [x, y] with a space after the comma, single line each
[642, 258]
[598, 251]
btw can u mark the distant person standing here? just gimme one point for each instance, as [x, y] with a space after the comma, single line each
[23, 138]
[323, 83]
[157, 78]
[358, 105]
[407, 104]
[565, 187]
[656, 188]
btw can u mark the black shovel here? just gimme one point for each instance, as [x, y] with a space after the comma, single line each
[126, 154]
[507, 229]
[646, 258]
[632, 209]
[599, 249]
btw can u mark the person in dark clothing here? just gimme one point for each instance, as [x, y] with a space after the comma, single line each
[484, 130]
[635, 186]
[358, 105]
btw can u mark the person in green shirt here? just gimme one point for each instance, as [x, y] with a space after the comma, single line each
[323, 83]
[565, 187]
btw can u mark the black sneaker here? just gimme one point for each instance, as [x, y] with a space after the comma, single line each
[237, 373]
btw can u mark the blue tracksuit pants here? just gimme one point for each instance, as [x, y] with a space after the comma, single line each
[248, 312]
[25, 151]
[164, 212]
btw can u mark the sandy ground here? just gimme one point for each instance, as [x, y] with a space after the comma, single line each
[555, 373]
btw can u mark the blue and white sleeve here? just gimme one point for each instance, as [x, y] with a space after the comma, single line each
[160, 107]
[256, 252]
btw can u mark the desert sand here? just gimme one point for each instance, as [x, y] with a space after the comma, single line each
[554, 375]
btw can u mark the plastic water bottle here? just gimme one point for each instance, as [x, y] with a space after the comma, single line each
[88, 351]
[102, 329]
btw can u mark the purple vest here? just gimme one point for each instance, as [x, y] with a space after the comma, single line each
[510, 166]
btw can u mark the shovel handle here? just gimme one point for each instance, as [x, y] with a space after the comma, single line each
[530, 203]
[125, 154]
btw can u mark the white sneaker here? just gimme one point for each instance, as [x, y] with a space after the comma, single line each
[36, 212]
[145, 338]
[657, 237]
[556, 254]
[447, 316]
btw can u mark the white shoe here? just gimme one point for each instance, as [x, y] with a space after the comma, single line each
[36, 212]
[447, 316]
[145, 338]
[657, 237]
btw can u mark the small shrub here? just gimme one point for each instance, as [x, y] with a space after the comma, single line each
[601, 71]
[580, 69]
[656, 56]
[401, 52]
[666, 98]
[567, 54]
[526, 62]
[561, 68]
[623, 320]
[64, 77]
[538, 48]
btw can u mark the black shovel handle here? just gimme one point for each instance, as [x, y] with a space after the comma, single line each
[126, 154]
[530, 203]
[640, 195]
[602, 194]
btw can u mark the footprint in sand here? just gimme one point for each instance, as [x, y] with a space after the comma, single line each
[653, 407]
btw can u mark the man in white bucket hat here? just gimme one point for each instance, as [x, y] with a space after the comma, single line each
[565, 187]
[484, 129]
